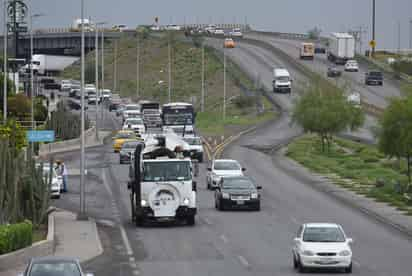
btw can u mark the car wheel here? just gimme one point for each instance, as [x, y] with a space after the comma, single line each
[220, 206]
[216, 205]
[348, 269]
[121, 162]
[139, 221]
[257, 207]
[209, 187]
[191, 220]
[200, 159]
[301, 267]
[295, 263]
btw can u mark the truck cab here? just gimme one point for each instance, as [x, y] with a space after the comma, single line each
[282, 81]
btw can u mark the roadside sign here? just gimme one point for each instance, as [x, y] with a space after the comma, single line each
[372, 43]
[40, 135]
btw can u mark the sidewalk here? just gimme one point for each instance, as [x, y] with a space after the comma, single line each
[73, 238]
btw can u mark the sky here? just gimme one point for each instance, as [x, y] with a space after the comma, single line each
[271, 15]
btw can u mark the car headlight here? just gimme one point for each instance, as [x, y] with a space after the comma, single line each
[186, 201]
[225, 195]
[143, 203]
[308, 253]
[345, 253]
[254, 195]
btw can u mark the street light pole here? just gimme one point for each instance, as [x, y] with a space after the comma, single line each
[82, 214]
[224, 85]
[137, 66]
[5, 74]
[33, 125]
[203, 78]
[410, 34]
[373, 26]
[96, 45]
[169, 70]
[101, 109]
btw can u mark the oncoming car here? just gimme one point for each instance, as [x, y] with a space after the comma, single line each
[229, 43]
[237, 192]
[222, 167]
[322, 245]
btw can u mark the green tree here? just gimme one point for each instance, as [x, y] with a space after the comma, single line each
[314, 33]
[395, 137]
[15, 135]
[326, 112]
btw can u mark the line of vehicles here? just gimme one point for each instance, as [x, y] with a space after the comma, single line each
[91, 95]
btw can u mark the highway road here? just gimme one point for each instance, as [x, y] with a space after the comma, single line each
[376, 95]
[227, 243]
[259, 62]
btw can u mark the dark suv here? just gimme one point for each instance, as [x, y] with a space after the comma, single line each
[374, 77]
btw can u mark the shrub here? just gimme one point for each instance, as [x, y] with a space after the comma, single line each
[15, 236]
[244, 102]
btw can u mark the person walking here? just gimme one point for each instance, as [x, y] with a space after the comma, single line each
[65, 175]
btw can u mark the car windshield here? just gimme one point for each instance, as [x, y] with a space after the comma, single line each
[134, 121]
[132, 107]
[125, 135]
[226, 166]
[375, 74]
[193, 141]
[323, 234]
[54, 269]
[130, 145]
[284, 78]
[166, 171]
[237, 183]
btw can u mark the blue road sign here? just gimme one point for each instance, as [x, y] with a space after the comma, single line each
[40, 135]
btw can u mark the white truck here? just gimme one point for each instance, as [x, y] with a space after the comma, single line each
[162, 186]
[45, 64]
[341, 48]
[307, 50]
[87, 23]
[282, 81]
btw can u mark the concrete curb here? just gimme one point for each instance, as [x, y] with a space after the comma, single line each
[61, 145]
[39, 249]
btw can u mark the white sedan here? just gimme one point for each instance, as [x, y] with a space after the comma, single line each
[135, 124]
[322, 245]
[351, 66]
[222, 167]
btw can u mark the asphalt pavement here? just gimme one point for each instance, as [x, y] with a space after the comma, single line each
[231, 242]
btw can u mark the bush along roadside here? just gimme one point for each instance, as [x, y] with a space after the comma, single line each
[15, 236]
[65, 123]
[357, 167]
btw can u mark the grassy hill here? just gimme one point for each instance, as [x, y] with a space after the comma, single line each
[186, 79]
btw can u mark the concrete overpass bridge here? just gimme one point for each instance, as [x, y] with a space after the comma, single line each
[59, 41]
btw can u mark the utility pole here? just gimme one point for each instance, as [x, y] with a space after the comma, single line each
[170, 69]
[203, 78]
[373, 26]
[82, 214]
[137, 66]
[5, 72]
[115, 68]
[224, 84]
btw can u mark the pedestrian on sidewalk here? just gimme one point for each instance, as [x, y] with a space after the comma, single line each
[62, 170]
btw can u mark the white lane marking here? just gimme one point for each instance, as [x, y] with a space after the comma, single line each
[136, 272]
[131, 259]
[126, 241]
[243, 261]
[133, 265]
[356, 263]
[223, 238]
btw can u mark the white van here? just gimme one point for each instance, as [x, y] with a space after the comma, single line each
[282, 81]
